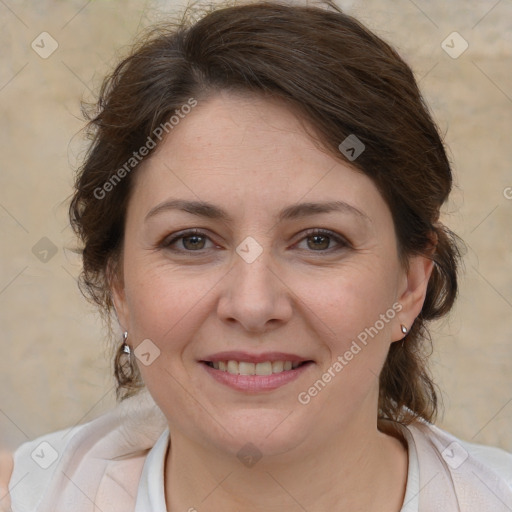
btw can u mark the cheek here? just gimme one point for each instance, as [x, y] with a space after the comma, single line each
[161, 301]
[354, 312]
[348, 301]
[168, 304]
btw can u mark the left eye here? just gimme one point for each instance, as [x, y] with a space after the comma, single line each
[319, 240]
[193, 241]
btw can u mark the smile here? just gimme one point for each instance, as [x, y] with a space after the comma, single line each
[246, 368]
[255, 377]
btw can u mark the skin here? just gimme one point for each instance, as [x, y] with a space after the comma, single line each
[252, 157]
[6, 465]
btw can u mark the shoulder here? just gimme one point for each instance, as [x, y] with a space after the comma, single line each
[5, 468]
[455, 452]
[495, 458]
[34, 468]
[6, 463]
[50, 470]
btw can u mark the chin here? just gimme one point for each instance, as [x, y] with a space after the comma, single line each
[266, 432]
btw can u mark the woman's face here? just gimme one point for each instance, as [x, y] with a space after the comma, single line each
[294, 259]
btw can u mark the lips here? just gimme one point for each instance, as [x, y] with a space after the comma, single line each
[265, 371]
[248, 381]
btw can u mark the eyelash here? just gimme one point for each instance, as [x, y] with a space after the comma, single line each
[167, 243]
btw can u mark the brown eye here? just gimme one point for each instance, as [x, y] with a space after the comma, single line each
[192, 240]
[318, 242]
[324, 241]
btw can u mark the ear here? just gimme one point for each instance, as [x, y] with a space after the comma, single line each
[116, 285]
[413, 290]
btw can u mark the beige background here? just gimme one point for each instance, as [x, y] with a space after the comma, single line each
[54, 370]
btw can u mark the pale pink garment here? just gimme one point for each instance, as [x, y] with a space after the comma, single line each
[103, 465]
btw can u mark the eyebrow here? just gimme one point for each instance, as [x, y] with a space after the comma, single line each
[294, 211]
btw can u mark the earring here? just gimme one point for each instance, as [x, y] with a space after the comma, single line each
[404, 328]
[125, 347]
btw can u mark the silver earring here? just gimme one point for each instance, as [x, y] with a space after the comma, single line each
[404, 328]
[126, 348]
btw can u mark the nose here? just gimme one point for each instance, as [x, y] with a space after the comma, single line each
[255, 296]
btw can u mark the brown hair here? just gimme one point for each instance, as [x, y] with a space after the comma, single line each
[343, 80]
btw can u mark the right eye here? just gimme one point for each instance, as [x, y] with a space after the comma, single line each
[192, 240]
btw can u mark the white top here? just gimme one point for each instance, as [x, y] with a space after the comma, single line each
[116, 463]
[151, 493]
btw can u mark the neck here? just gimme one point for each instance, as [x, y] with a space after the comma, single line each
[356, 470]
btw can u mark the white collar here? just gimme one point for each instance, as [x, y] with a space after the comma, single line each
[151, 492]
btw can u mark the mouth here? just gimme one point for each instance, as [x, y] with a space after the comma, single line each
[255, 377]
[249, 368]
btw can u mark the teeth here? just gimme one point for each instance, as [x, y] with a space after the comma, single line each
[264, 368]
[233, 367]
[277, 366]
[245, 368]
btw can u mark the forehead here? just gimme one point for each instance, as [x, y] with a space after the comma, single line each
[252, 150]
[242, 131]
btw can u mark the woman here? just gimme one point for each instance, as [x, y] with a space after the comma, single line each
[259, 209]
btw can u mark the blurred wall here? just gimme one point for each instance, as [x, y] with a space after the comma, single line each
[54, 367]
